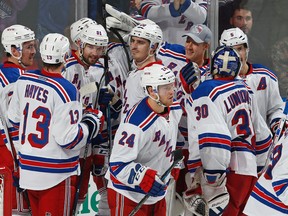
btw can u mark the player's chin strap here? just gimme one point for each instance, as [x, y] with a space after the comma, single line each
[157, 100]
[19, 59]
[82, 45]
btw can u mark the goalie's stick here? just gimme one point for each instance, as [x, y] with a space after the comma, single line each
[178, 156]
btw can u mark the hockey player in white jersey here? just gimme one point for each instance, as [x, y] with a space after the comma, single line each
[84, 67]
[269, 195]
[260, 79]
[175, 17]
[144, 41]
[143, 145]
[47, 110]
[230, 136]
[20, 47]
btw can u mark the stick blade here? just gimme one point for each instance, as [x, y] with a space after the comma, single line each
[88, 89]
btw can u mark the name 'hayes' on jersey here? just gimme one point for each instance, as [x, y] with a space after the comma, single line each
[43, 133]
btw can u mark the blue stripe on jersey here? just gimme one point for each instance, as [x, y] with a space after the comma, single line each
[48, 165]
[9, 75]
[268, 199]
[263, 145]
[214, 140]
[112, 45]
[192, 165]
[141, 115]
[63, 87]
[214, 88]
[174, 51]
[280, 186]
[77, 139]
[240, 145]
[262, 70]
[71, 62]
[117, 167]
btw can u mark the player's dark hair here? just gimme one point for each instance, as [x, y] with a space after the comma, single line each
[52, 66]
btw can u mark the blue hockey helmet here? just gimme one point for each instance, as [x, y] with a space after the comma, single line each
[225, 62]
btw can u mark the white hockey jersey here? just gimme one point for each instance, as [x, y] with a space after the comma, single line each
[173, 57]
[175, 24]
[265, 86]
[133, 91]
[47, 110]
[223, 121]
[79, 76]
[144, 138]
[9, 74]
[270, 194]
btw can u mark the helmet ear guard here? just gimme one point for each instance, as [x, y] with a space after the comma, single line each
[149, 31]
[225, 62]
[155, 76]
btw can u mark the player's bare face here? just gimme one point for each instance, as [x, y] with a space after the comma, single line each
[194, 51]
[28, 53]
[242, 51]
[166, 93]
[139, 48]
[91, 53]
[242, 19]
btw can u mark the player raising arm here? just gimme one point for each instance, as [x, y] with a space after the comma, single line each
[46, 109]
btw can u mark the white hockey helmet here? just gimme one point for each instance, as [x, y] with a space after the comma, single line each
[94, 34]
[225, 61]
[150, 31]
[16, 35]
[78, 26]
[54, 47]
[155, 76]
[233, 36]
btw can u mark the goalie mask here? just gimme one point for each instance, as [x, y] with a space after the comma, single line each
[78, 26]
[225, 62]
[155, 76]
[54, 48]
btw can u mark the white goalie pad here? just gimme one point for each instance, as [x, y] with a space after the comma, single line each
[127, 23]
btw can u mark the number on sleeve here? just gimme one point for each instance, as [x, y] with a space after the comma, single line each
[129, 140]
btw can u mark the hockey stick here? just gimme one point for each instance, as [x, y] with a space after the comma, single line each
[14, 156]
[178, 156]
[84, 90]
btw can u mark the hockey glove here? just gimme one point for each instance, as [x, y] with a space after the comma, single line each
[190, 77]
[215, 193]
[105, 96]
[100, 157]
[15, 175]
[94, 120]
[149, 182]
[276, 124]
[192, 197]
